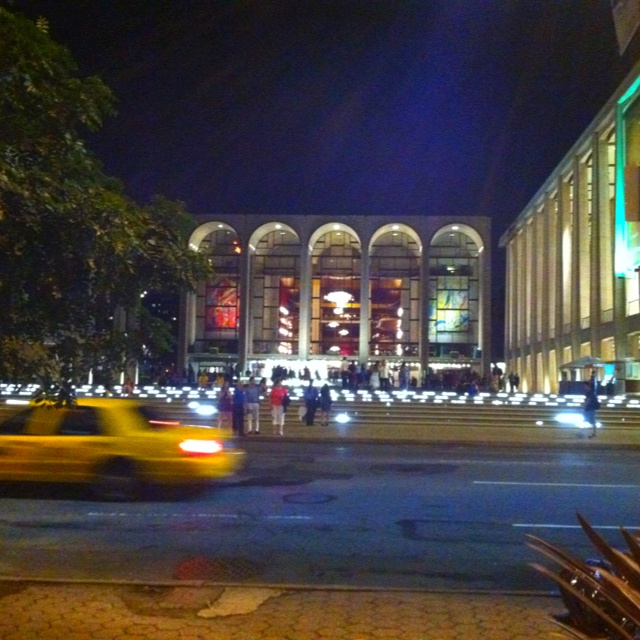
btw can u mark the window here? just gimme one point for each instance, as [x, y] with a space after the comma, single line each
[16, 425]
[454, 293]
[81, 421]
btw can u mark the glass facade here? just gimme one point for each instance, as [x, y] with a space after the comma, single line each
[218, 299]
[454, 296]
[275, 294]
[335, 301]
[394, 293]
[302, 288]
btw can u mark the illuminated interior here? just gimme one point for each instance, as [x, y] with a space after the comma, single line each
[453, 295]
[275, 293]
[335, 295]
[218, 299]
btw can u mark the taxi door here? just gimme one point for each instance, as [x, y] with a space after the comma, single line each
[21, 444]
[77, 444]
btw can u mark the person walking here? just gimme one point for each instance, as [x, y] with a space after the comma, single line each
[589, 407]
[277, 402]
[238, 409]
[325, 404]
[311, 403]
[252, 404]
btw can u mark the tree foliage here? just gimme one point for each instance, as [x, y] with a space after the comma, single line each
[73, 246]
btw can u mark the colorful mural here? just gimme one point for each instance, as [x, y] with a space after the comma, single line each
[221, 304]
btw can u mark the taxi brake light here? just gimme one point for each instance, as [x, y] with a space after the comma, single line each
[202, 447]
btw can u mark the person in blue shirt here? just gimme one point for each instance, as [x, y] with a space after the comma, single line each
[237, 420]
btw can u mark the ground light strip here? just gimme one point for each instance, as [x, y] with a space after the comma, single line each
[234, 516]
[560, 484]
[573, 526]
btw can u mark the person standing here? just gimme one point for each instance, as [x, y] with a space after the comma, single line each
[277, 402]
[384, 376]
[311, 403]
[238, 410]
[325, 404]
[344, 372]
[252, 404]
[589, 407]
[374, 377]
[403, 377]
[225, 407]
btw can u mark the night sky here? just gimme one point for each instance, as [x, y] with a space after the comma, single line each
[393, 107]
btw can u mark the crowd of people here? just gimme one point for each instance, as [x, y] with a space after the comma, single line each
[239, 402]
[239, 405]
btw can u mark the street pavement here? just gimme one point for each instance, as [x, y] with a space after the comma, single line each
[192, 610]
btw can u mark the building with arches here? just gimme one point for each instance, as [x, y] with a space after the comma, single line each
[573, 256]
[313, 290]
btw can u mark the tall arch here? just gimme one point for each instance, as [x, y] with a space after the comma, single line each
[274, 281]
[336, 269]
[455, 293]
[216, 306]
[394, 292]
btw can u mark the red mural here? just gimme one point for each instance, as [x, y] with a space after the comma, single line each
[221, 305]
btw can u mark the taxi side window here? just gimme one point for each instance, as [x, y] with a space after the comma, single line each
[81, 421]
[16, 425]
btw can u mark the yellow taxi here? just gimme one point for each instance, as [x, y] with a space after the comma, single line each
[116, 446]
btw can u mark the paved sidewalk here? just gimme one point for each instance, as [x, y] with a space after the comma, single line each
[46, 611]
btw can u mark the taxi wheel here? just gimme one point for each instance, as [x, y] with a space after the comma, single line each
[117, 480]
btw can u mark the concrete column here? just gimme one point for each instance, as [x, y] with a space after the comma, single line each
[244, 335]
[559, 310]
[304, 328]
[576, 230]
[186, 328]
[597, 202]
[424, 309]
[535, 264]
[509, 302]
[620, 324]
[521, 292]
[365, 323]
[547, 287]
[484, 328]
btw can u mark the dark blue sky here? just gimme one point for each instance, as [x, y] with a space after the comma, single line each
[392, 107]
[353, 106]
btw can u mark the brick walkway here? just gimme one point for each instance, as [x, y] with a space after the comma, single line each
[111, 612]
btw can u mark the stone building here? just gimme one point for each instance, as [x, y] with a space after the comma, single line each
[312, 290]
[573, 256]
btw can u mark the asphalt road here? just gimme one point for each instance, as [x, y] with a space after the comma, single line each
[365, 515]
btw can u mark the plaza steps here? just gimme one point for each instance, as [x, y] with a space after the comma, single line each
[420, 411]
[454, 412]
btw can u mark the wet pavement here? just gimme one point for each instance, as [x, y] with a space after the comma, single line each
[194, 610]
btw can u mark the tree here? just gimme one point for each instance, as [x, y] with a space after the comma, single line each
[73, 246]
